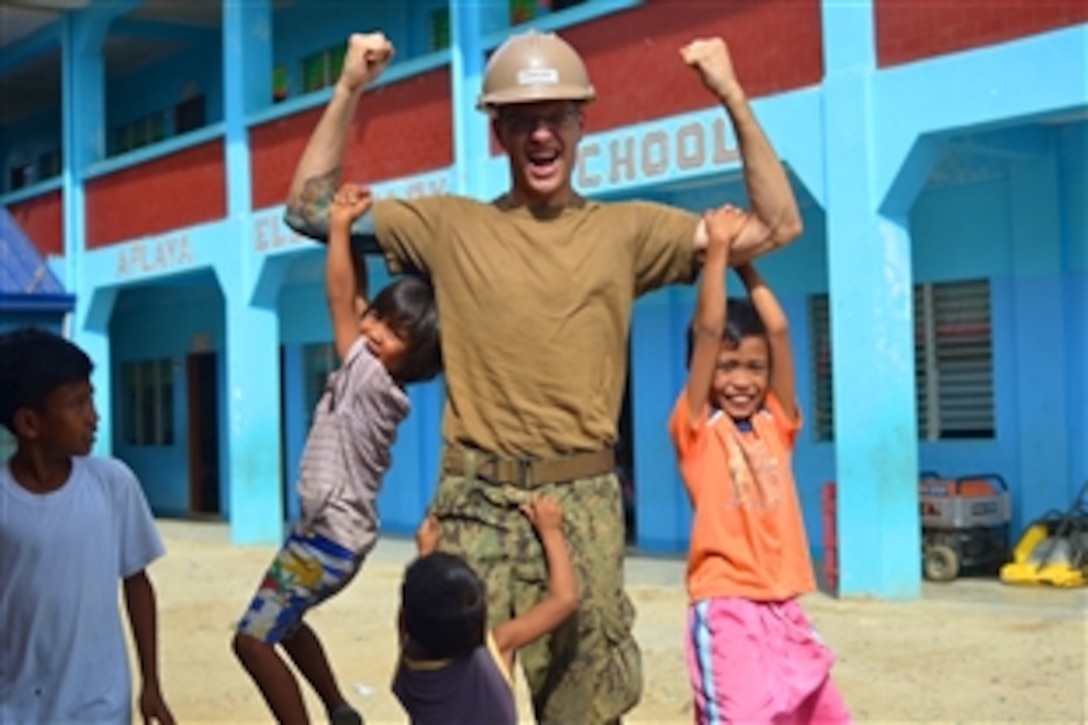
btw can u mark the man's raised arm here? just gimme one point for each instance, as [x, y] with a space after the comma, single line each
[774, 218]
[317, 175]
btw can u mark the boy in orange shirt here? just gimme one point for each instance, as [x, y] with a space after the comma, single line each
[753, 656]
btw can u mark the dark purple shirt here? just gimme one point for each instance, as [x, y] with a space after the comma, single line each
[468, 691]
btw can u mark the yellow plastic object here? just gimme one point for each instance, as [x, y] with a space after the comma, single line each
[1055, 575]
[1025, 568]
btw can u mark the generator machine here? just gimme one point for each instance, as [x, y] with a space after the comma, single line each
[965, 524]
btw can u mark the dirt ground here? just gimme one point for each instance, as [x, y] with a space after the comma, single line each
[972, 651]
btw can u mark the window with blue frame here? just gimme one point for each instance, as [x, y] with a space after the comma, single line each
[953, 361]
[318, 360]
[139, 133]
[21, 174]
[147, 394]
[189, 115]
[321, 69]
[440, 29]
[49, 164]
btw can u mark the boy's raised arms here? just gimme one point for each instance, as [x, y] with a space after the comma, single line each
[344, 284]
[708, 325]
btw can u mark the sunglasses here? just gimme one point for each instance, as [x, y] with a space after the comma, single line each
[521, 122]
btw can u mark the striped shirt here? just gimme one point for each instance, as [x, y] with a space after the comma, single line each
[348, 450]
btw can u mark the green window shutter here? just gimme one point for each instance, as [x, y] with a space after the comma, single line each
[440, 29]
[313, 72]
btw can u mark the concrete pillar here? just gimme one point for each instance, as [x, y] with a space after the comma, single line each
[252, 368]
[253, 421]
[83, 119]
[470, 127]
[91, 318]
[868, 246]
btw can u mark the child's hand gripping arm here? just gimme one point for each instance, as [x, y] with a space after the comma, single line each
[722, 227]
[547, 517]
[140, 605]
[427, 536]
[344, 284]
[783, 375]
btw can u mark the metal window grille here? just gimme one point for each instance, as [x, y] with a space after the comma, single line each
[147, 392]
[820, 326]
[962, 355]
[953, 355]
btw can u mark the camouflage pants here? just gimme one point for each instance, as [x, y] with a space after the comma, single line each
[589, 670]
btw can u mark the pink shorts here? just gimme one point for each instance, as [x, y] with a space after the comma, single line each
[759, 662]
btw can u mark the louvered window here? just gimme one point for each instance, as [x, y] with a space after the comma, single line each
[953, 355]
[820, 325]
[961, 359]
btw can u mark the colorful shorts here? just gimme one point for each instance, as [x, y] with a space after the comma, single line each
[759, 662]
[307, 570]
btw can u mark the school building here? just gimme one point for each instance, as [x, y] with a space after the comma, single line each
[938, 296]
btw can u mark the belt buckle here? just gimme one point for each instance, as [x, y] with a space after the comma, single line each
[524, 464]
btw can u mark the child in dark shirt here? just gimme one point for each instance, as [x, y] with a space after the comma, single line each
[451, 670]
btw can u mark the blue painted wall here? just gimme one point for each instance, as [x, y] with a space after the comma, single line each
[1073, 150]
[151, 323]
[161, 85]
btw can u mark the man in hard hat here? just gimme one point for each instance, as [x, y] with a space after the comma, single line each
[534, 293]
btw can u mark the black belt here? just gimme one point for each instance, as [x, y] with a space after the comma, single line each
[527, 471]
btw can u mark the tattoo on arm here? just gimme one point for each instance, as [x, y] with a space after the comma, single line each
[309, 213]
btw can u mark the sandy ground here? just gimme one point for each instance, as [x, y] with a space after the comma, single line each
[972, 651]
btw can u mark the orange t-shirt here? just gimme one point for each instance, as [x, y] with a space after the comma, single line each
[747, 536]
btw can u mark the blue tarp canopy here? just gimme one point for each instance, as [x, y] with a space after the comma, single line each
[26, 283]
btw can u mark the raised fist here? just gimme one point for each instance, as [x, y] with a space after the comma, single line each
[710, 57]
[367, 56]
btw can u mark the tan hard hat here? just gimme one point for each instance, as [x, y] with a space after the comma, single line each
[534, 66]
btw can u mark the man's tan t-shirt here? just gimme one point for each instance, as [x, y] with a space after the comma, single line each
[534, 311]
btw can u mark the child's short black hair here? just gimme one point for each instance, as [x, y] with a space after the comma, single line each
[741, 321]
[34, 363]
[444, 606]
[407, 305]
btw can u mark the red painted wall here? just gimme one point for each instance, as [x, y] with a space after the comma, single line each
[908, 30]
[410, 130]
[41, 219]
[635, 64]
[179, 190]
